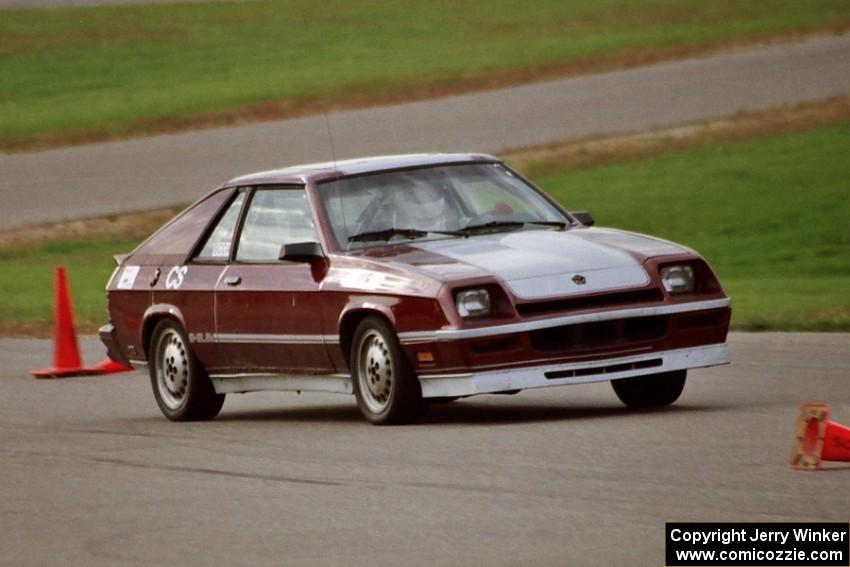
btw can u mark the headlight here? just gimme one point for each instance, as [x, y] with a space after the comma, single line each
[473, 303]
[678, 279]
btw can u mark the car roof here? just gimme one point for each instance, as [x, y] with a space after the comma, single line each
[301, 174]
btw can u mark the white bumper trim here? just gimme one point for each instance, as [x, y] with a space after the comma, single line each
[450, 385]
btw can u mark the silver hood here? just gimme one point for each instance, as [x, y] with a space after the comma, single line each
[539, 264]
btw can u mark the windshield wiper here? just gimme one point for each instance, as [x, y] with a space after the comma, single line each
[414, 233]
[496, 225]
[387, 233]
[492, 225]
[559, 224]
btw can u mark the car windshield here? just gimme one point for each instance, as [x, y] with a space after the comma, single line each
[433, 202]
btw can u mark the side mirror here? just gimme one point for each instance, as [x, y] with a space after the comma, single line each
[301, 252]
[583, 217]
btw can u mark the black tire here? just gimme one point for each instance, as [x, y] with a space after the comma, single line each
[181, 387]
[653, 391]
[386, 388]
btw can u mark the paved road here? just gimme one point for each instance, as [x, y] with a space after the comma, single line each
[167, 170]
[93, 475]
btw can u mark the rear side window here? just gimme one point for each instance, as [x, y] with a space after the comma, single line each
[275, 217]
[173, 243]
[217, 246]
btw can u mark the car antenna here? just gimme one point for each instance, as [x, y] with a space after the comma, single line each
[330, 138]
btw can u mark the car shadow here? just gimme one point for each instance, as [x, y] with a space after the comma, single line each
[493, 414]
[829, 467]
[461, 412]
[336, 412]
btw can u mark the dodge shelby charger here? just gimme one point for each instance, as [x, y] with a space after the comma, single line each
[406, 280]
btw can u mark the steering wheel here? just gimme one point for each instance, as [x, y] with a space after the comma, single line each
[366, 221]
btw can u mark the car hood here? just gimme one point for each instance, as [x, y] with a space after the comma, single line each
[537, 264]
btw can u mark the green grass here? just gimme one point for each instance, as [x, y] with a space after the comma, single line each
[26, 282]
[94, 72]
[771, 215]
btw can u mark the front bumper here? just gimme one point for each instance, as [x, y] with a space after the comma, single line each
[523, 378]
[584, 337]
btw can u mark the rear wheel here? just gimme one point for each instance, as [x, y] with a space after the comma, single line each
[387, 390]
[181, 387]
[653, 391]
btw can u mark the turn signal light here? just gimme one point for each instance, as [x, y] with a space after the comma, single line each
[424, 357]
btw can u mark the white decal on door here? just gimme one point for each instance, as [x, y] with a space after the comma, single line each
[175, 276]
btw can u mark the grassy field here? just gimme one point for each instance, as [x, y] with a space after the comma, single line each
[26, 283]
[771, 214]
[80, 74]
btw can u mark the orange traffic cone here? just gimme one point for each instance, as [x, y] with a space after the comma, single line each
[66, 352]
[818, 439]
[109, 366]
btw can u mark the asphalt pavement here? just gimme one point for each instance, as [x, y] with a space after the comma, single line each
[92, 474]
[172, 169]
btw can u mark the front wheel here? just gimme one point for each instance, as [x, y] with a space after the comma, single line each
[653, 391]
[387, 390]
[182, 389]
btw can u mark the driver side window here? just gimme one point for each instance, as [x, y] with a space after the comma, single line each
[275, 217]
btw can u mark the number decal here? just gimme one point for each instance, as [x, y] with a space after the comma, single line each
[128, 277]
[175, 276]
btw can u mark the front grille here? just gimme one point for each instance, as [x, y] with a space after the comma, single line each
[610, 369]
[590, 301]
[599, 334]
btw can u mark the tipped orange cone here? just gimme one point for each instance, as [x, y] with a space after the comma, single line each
[109, 366]
[817, 439]
[66, 351]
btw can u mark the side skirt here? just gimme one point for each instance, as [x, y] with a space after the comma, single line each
[241, 383]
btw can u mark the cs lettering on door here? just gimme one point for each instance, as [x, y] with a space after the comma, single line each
[175, 277]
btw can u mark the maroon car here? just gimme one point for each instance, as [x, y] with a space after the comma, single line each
[406, 280]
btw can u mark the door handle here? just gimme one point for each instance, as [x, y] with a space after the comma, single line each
[233, 281]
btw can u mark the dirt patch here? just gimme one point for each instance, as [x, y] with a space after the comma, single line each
[37, 329]
[553, 158]
[136, 225]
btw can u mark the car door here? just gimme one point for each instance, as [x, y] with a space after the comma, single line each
[191, 286]
[269, 311]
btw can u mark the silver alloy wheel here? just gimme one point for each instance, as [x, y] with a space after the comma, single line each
[172, 369]
[374, 371]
